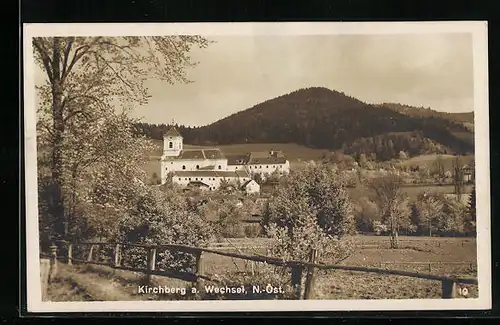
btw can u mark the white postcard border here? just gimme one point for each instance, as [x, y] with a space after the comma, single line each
[478, 30]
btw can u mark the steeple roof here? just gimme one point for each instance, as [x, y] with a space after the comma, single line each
[172, 133]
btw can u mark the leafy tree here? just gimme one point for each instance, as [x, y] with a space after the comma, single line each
[273, 178]
[393, 205]
[88, 78]
[311, 209]
[454, 216]
[257, 177]
[430, 210]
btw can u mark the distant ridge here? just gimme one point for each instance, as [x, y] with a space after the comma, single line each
[467, 117]
[318, 117]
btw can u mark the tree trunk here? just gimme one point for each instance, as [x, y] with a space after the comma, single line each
[58, 212]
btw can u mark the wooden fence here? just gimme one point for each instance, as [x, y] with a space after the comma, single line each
[298, 268]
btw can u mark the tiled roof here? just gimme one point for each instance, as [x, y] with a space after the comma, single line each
[247, 182]
[266, 158]
[191, 154]
[237, 160]
[242, 173]
[201, 154]
[213, 153]
[210, 173]
[198, 183]
[172, 133]
[211, 167]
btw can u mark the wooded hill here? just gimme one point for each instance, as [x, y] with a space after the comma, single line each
[322, 118]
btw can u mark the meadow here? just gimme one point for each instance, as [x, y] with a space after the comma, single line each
[91, 282]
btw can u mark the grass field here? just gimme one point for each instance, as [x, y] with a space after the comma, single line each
[103, 283]
[429, 160]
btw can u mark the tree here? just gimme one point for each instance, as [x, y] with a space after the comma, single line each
[257, 177]
[454, 216]
[458, 177]
[470, 221]
[225, 186]
[430, 210]
[439, 170]
[90, 77]
[311, 209]
[393, 205]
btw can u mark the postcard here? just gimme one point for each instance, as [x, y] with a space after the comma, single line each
[174, 167]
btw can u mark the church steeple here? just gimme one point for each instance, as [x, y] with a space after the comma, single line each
[172, 143]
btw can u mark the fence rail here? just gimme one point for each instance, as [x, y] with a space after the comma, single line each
[297, 267]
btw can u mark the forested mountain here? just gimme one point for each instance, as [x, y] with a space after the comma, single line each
[427, 112]
[323, 118]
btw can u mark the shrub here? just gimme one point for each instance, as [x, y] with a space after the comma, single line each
[265, 275]
[163, 218]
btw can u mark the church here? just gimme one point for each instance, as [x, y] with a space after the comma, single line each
[207, 168]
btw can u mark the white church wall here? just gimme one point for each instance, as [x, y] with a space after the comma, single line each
[213, 182]
[171, 165]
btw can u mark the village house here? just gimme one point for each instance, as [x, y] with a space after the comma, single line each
[251, 187]
[207, 168]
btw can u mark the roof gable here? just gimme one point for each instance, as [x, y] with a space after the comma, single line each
[172, 133]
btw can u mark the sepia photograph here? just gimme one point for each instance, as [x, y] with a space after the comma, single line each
[257, 166]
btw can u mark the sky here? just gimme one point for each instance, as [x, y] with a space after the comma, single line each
[237, 72]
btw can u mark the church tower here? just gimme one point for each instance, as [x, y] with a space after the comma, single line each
[172, 143]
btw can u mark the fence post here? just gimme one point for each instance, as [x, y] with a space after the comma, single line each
[70, 254]
[151, 263]
[199, 270]
[89, 258]
[53, 263]
[297, 279]
[309, 289]
[430, 267]
[449, 288]
[117, 255]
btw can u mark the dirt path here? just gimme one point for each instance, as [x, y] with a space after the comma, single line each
[73, 284]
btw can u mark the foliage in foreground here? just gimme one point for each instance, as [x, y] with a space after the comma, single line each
[311, 210]
[80, 138]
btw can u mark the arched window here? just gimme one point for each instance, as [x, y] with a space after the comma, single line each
[197, 166]
[183, 167]
[220, 167]
[170, 145]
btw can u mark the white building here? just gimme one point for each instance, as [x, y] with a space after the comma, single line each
[189, 167]
[251, 187]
